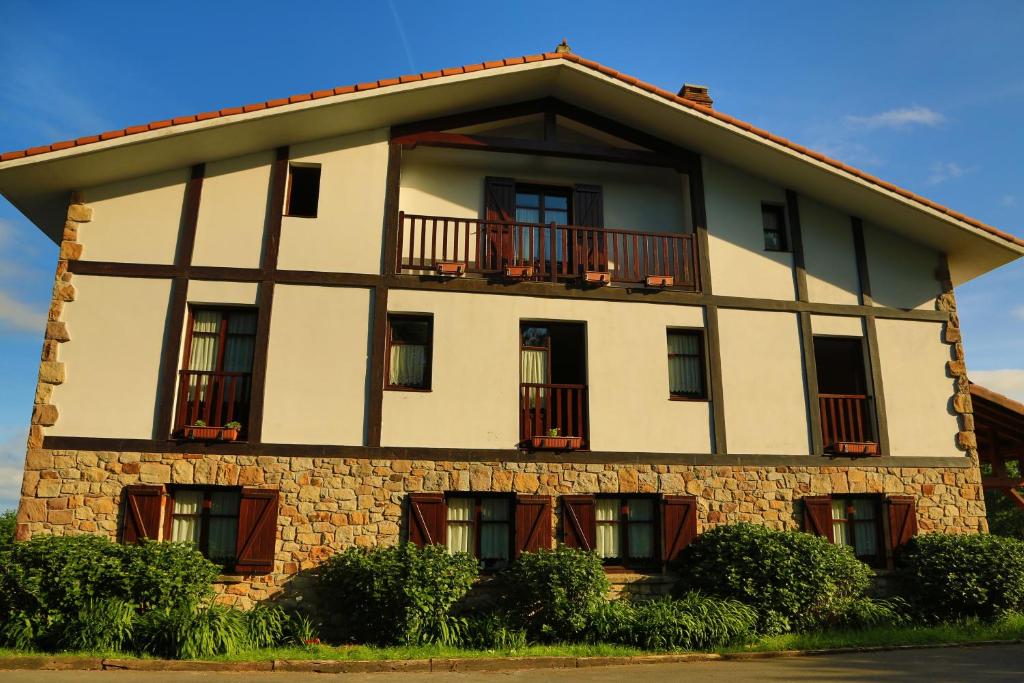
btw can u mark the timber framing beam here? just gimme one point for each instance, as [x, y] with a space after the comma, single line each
[810, 366]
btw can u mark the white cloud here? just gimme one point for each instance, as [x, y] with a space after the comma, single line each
[12, 461]
[899, 118]
[1018, 313]
[1008, 382]
[18, 316]
[942, 171]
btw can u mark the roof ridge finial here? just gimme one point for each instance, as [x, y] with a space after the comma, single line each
[563, 47]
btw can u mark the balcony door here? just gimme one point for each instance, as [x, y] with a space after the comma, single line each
[847, 411]
[553, 379]
[215, 382]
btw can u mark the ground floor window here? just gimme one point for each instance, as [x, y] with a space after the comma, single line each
[481, 527]
[208, 519]
[626, 530]
[857, 523]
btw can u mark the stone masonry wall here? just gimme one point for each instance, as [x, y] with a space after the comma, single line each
[329, 504]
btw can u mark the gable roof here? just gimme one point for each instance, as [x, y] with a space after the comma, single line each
[66, 148]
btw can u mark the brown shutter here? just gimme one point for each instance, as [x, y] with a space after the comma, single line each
[142, 507]
[533, 523]
[499, 205]
[818, 516]
[679, 521]
[902, 520]
[588, 211]
[427, 517]
[257, 531]
[579, 525]
[588, 206]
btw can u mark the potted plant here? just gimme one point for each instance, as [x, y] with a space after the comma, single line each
[856, 448]
[554, 441]
[519, 272]
[231, 430]
[200, 431]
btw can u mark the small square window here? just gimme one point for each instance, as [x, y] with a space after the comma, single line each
[303, 191]
[410, 347]
[208, 519]
[857, 523]
[773, 217]
[480, 526]
[686, 364]
[626, 532]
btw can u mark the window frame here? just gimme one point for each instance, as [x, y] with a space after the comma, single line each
[780, 210]
[304, 167]
[225, 310]
[428, 370]
[850, 523]
[477, 523]
[543, 191]
[624, 562]
[204, 516]
[701, 334]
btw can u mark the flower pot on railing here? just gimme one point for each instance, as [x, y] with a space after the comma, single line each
[519, 272]
[856, 448]
[659, 281]
[597, 278]
[202, 432]
[556, 443]
[451, 268]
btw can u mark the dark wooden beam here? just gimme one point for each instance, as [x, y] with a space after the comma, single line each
[863, 274]
[699, 214]
[487, 143]
[473, 118]
[265, 292]
[375, 390]
[714, 360]
[79, 443]
[871, 333]
[810, 365]
[174, 321]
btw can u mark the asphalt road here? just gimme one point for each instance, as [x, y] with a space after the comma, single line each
[970, 664]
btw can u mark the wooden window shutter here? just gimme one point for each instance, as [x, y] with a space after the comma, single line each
[679, 521]
[579, 524]
[257, 531]
[427, 517]
[818, 516]
[499, 205]
[142, 507]
[902, 520]
[533, 523]
[588, 206]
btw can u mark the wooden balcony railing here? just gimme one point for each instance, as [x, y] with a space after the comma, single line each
[846, 418]
[216, 398]
[543, 407]
[555, 252]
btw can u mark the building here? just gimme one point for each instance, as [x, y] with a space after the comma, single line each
[498, 306]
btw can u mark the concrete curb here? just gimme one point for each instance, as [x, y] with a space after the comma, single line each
[447, 665]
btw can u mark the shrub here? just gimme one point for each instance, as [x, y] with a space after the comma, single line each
[105, 624]
[948, 577]
[492, 631]
[693, 622]
[552, 594]
[398, 595]
[189, 633]
[874, 613]
[8, 524]
[266, 626]
[794, 580]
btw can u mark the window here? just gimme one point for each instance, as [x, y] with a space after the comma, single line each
[847, 410]
[857, 522]
[208, 519]
[686, 364]
[214, 386]
[303, 191]
[773, 216]
[626, 531]
[537, 204]
[480, 526]
[410, 342]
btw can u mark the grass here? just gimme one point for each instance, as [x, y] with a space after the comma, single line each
[1009, 628]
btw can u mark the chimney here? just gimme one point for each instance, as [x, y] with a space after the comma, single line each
[696, 93]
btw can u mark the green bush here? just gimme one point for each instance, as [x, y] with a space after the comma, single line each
[947, 577]
[398, 595]
[794, 580]
[492, 631]
[552, 594]
[693, 622]
[864, 613]
[8, 524]
[191, 633]
[105, 624]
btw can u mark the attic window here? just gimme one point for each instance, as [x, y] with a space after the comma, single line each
[303, 191]
[773, 216]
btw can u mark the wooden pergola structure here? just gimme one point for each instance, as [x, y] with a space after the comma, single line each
[999, 426]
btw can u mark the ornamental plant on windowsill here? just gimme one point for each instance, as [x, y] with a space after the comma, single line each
[554, 441]
[200, 431]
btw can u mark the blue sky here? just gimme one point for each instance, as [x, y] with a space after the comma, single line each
[928, 95]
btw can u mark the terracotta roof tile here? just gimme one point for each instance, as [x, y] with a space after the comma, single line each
[453, 71]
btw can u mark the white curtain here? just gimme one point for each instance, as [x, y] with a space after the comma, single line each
[684, 371]
[203, 354]
[534, 368]
[186, 529]
[641, 536]
[865, 539]
[407, 367]
[494, 537]
[607, 510]
[839, 522]
[460, 534]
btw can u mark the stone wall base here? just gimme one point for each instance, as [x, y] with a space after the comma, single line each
[328, 504]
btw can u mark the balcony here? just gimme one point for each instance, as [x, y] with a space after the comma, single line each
[846, 424]
[213, 398]
[545, 252]
[553, 412]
